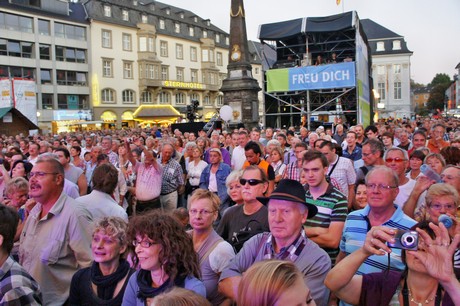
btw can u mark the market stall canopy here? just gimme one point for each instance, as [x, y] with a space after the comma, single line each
[156, 113]
[29, 124]
[291, 28]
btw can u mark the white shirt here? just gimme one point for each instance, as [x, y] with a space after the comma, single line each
[238, 158]
[100, 205]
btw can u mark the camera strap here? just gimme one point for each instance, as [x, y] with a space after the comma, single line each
[405, 294]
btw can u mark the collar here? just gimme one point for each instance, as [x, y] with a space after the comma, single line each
[7, 265]
[292, 251]
[55, 210]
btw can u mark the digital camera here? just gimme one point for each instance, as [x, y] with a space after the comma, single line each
[407, 240]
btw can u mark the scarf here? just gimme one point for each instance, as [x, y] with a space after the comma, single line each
[106, 284]
[144, 280]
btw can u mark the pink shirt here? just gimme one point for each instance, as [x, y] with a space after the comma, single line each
[148, 182]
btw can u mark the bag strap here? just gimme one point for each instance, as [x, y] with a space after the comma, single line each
[208, 252]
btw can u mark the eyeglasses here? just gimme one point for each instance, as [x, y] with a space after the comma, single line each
[251, 182]
[367, 154]
[40, 174]
[144, 243]
[380, 186]
[201, 212]
[446, 207]
[396, 160]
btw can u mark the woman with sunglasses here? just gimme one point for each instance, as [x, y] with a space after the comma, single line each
[429, 278]
[214, 253]
[165, 256]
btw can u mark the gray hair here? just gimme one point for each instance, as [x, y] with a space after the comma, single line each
[404, 152]
[190, 144]
[388, 172]
[273, 142]
[235, 175]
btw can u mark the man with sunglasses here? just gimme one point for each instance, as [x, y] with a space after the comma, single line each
[397, 160]
[241, 222]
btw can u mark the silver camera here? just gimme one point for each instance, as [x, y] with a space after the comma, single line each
[407, 240]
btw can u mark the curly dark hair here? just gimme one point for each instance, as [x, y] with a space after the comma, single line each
[177, 255]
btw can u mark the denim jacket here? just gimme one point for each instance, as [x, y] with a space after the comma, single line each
[221, 175]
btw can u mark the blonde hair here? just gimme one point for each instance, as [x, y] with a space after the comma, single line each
[200, 194]
[441, 190]
[265, 281]
[180, 297]
[114, 227]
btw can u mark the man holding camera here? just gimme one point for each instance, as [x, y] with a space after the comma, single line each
[382, 189]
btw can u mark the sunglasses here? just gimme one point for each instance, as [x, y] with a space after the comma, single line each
[396, 160]
[251, 182]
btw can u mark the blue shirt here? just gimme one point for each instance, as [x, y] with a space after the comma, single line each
[221, 175]
[354, 155]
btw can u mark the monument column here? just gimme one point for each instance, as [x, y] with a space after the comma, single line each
[240, 88]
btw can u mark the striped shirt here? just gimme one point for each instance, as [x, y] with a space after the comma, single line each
[332, 207]
[354, 234]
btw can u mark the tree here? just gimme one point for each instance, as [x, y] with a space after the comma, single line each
[439, 85]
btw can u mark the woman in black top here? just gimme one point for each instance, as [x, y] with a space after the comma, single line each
[104, 283]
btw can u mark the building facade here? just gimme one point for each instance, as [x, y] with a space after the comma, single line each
[390, 69]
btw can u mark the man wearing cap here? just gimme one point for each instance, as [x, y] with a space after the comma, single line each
[213, 178]
[287, 211]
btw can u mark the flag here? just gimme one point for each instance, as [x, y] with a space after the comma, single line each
[338, 2]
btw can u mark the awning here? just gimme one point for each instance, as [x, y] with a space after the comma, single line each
[156, 113]
[88, 122]
[6, 110]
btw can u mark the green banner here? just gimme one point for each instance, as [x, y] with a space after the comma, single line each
[278, 80]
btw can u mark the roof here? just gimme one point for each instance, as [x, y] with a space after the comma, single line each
[377, 33]
[156, 112]
[6, 110]
[263, 54]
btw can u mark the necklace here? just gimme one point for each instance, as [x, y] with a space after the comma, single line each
[427, 301]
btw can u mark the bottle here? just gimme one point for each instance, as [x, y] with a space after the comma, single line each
[446, 220]
[430, 173]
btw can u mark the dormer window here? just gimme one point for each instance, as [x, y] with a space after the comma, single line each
[168, 11]
[227, 40]
[125, 15]
[396, 45]
[205, 34]
[191, 31]
[217, 38]
[135, 2]
[177, 27]
[107, 11]
[380, 46]
[162, 24]
[208, 22]
[181, 15]
[195, 19]
[144, 19]
[152, 7]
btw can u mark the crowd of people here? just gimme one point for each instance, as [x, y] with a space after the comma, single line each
[247, 217]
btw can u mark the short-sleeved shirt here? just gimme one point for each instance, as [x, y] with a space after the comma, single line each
[355, 155]
[343, 172]
[354, 233]
[172, 176]
[332, 207]
[17, 287]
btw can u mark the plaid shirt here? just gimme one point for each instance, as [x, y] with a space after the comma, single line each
[292, 172]
[173, 176]
[17, 287]
[292, 251]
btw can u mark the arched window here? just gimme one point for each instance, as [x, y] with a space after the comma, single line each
[108, 95]
[164, 97]
[128, 96]
[180, 98]
[146, 97]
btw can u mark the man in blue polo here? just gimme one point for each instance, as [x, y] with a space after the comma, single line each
[287, 211]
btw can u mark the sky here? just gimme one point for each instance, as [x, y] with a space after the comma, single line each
[430, 28]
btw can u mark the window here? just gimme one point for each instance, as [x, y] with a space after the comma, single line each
[207, 100]
[45, 76]
[164, 48]
[205, 55]
[194, 75]
[220, 100]
[193, 54]
[26, 49]
[208, 22]
[381, 90]
[162, 24]
[151, 71]
[107, 11]
[71, 78]
[177, 27]
[164, 73]
[180, 74]
[180, 98]
[212, 78]
[181, 15]
[397, 69]
[194, 97]
[380, 69]
[127, 70]
[227, 40]
[164, 98]
[380, 46]
[135, 2]
[146, 97]
[81, 55]
[43, 27]
[106, 39]
[107, 67]
[179, 51]
[16, 23]
[73, 55]
[81, 79]
[128, 96]
[70, 55]
[205, 34]
[217, 38]
[191, 31]
[256, 70]
[219, 58]
[195, 19]
[397, 90]
[145, 19]
[45, 53]
[16, 48]
[125, 15]
[47, 101]
[126, 42]
[168, 11]
[108, 95]
[396, 45]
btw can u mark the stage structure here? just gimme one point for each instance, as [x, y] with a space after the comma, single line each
[322, 71]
